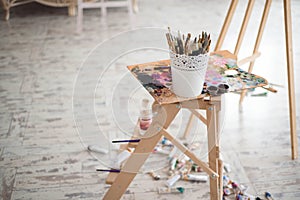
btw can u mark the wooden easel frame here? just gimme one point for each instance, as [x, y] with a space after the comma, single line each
[256, 54]
[166, 114]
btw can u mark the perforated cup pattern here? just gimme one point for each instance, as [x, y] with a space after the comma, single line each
[189, 63]
[188, 74]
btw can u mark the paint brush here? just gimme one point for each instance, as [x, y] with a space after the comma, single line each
[181, 44]
[121, 141]
[109, 170]
[186, 43]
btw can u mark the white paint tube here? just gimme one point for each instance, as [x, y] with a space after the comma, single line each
[173, 163]
[172, 153]
[192, 177]
[124, 155]
[170, 182]
[161, 151]
[227, 167]
[164, 190]
[97, 149]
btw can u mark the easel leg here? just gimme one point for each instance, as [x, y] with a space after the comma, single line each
[128, 172]
[213, 150]
[165, 116]
[188, 126]
[220, 164]
[290, 70]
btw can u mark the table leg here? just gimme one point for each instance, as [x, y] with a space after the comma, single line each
[213, 150]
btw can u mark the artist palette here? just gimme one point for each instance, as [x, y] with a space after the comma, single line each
[222, 76]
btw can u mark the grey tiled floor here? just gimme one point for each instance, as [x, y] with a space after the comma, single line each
[43, 149]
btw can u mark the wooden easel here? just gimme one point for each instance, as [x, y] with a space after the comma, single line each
[167, 105]
[256, 54]
[158, 129]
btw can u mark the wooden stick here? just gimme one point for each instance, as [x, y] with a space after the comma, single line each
[188, 126]
[213, 150]
[244, 26]
[226, 24]
[260, 31]
[248, 59]
[191, 155]
[221, 165]
[269, 89]
[290, 70]
[199, 116]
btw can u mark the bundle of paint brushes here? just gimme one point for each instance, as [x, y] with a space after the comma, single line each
[182, 44]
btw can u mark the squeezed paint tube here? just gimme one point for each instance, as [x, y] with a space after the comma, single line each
[170, 182]
[124, 155]
[227, 167]
[172, 153]
[166, 142]
[259, 94]
[227, 191]
[192, 177]
[173, 163]
[97, 149]
[226, 180]
[154, 176]
[160, 150]
[268, 196]
[178, 190]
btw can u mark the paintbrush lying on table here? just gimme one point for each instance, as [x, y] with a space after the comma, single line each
[185, 45]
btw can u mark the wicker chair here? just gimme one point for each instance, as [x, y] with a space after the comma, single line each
[71, 4]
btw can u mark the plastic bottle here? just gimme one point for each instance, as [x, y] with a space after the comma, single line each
[145, 116]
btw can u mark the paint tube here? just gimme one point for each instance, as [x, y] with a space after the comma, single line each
[226, 180]
[124, 155]
[166, 142]
[170, 182]
[268, 196]
[178, 190]
[97, 149]
[192, 177]
[172, 153]
[173, 163]
[154, 176]
[161, 151]
[227, 191]
[227, 167]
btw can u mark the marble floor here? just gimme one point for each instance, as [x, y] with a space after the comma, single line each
[61, 90]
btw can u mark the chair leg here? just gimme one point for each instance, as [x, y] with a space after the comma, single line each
[72, 8]
[135, 6]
